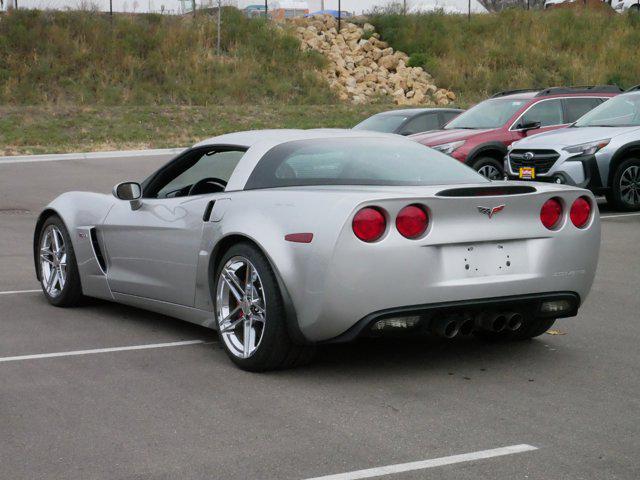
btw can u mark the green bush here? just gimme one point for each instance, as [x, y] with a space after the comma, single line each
[517, 49]
[87, 58]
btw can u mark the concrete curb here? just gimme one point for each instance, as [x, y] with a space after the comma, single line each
[57, 157]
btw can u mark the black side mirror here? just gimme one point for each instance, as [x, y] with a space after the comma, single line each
[525, 127]
[129, 191]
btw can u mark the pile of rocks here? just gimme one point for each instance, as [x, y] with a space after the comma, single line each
[362, 67]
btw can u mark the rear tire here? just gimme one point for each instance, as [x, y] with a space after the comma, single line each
[489, 168]
[250, 313]
[57, 266]
[625, 186]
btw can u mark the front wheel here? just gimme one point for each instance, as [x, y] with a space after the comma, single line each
[625, 188]
[489, 168]
[250, 313]
[56, 264]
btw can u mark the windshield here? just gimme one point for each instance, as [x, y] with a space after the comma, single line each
[358, 161]
[382, 123]
[621, 111]
[492, 113]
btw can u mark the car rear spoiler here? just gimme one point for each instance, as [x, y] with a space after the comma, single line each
[487, 191]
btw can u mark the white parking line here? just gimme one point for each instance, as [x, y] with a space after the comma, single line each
[13, 292]
[99, 350]
[620, 215]
[57, 157]
[435, 462]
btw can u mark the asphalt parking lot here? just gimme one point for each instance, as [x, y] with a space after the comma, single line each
[184, 411]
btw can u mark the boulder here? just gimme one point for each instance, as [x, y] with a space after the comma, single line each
[362, 68]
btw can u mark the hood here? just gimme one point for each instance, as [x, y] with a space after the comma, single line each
[438, 137]
[565, 137]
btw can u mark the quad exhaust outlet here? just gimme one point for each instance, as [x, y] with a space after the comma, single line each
[465, 325]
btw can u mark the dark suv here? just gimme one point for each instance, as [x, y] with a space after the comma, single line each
[480, 136]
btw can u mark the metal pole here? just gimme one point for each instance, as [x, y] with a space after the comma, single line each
[339, 15]
[111, 9]
[404, 8]
[219, 22]
[469, 10]
[193, 6]
[266, 9]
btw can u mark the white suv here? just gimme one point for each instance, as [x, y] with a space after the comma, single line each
[624, 5]
[601, 152]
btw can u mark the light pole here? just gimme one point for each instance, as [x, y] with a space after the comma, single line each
[219, 22]
[339, 15]
[266, 9]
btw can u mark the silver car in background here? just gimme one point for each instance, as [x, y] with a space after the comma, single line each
[601, 152]
[283, 240]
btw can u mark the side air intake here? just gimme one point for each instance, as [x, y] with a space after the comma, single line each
[97, 250]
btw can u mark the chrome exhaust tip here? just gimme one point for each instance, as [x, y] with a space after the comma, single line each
[446, 327]
[493, 322]
[467, 326]
[514, 321]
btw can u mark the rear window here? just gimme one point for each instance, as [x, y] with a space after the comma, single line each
[357, 161]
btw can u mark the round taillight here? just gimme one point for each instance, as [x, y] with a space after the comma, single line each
[369, 224]
[412, 221]
[580, 212]
[550, 213]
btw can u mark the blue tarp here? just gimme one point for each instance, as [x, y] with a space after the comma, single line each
[333, 13]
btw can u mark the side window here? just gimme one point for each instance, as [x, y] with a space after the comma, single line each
[215, 165]
[547, 112]
[421, 123]
[574, 108]
[447, 117]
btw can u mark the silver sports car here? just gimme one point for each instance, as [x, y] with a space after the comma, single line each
[286, 239]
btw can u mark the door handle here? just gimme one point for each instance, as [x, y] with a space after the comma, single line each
[207, 211]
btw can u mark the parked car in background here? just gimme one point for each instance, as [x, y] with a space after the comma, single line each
[626, 5]
[601, 152]
[480, 136]
[409, 121]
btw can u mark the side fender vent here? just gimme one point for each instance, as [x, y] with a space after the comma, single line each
[97, 250]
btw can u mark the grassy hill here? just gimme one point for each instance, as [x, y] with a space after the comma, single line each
[519, 49]
[85, 58]
[74, 81]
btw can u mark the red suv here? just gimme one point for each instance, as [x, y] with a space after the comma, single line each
[480, 136]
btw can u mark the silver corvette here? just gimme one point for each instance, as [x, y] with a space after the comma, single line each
[285, 239]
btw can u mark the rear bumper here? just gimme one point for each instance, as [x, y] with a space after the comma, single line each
[528, 305]
[464, 255]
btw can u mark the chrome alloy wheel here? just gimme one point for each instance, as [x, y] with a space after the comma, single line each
[53, 261]
[240, 307]
[490, 172]
[630, 185]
